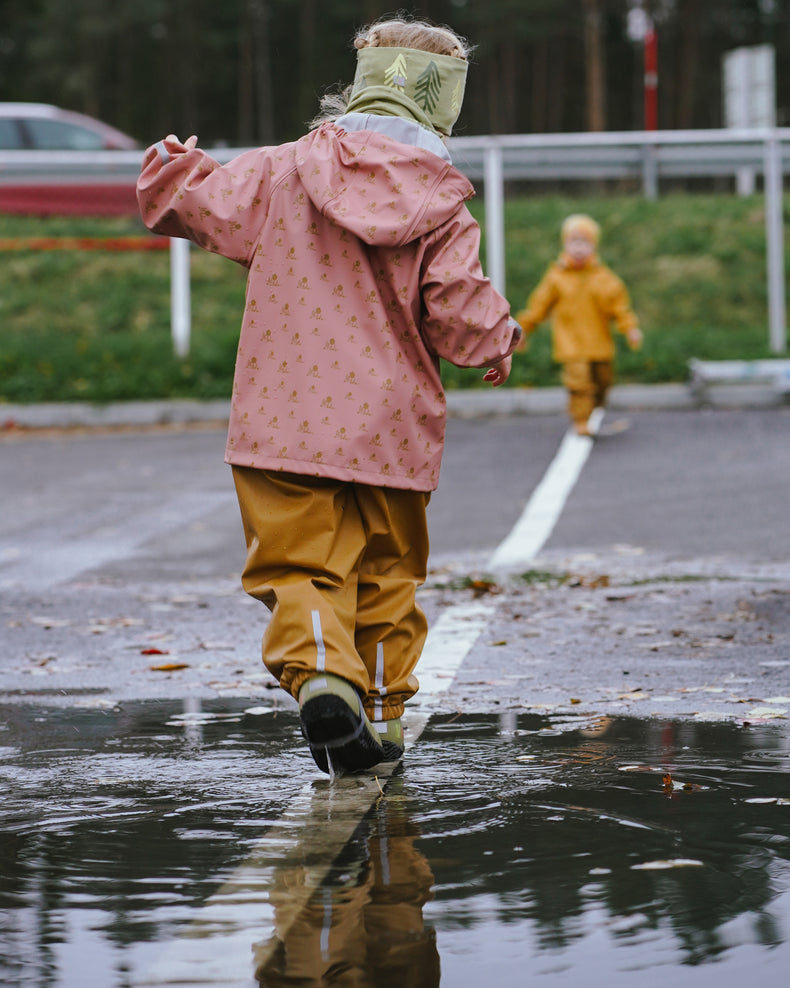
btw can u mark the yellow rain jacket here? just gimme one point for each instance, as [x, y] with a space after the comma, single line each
[582, 302]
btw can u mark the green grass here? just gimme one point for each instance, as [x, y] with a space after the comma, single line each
[96, 326]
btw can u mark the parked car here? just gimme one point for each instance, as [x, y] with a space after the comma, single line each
[39, 126]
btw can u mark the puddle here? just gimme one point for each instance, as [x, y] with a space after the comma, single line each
[572, 857]
[140, 843]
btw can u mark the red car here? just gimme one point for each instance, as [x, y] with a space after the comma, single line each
[43, 173]
[39, 126]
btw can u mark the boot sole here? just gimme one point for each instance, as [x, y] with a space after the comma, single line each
[338, 736]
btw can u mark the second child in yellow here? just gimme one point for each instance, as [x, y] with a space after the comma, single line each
[584, 297]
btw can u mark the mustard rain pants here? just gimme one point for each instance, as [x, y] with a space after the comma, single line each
[338, 565]
[587, 383]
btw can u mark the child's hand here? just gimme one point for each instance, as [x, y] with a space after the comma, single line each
[634, 338]
[498, 373]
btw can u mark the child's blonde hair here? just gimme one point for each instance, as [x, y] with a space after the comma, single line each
[581, 225]
[395, 32]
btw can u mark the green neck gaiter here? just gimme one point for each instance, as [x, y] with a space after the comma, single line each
[405, 82]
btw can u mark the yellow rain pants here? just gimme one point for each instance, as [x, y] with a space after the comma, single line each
[338, 565]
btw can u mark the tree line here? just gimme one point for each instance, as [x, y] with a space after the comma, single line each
[246, 72]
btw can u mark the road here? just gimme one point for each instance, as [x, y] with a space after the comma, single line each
[680, 484]
[668, 564]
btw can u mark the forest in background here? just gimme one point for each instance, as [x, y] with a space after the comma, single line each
[246, 72]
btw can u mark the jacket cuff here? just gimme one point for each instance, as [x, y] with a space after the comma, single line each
[517, 331]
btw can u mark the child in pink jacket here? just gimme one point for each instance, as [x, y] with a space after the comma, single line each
[363, 273]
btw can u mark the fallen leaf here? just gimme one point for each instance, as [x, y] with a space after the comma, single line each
[169, 667]
[481, 587]
[593, 582]
[154, 651]
[42, 660]
[671, 786]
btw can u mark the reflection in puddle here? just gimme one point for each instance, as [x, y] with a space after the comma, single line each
[565, 863]
[364, 923]
[505, 851]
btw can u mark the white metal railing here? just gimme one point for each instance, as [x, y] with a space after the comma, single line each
[644, 156]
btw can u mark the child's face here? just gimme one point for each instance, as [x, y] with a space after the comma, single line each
[579, 249]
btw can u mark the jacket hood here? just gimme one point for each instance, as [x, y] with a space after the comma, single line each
[383, 191]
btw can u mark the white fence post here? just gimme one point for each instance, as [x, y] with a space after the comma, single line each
[495, 217]
[649, 172]
[180, 300]
[774, 242]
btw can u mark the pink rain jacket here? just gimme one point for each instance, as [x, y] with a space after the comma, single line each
[363, 272]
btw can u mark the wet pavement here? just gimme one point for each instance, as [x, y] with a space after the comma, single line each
[600, 794]
[577, 849]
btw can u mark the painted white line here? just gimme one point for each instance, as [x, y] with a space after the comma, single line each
[594, 421]
[447, 645]
[544, 507]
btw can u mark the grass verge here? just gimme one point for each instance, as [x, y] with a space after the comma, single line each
[95, 326]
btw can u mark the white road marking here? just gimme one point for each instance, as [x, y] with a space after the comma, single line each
[544, 507]
[447, 645]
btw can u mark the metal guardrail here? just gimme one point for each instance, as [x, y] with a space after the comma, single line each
[703, 373]
[645, 156]
[640, 155]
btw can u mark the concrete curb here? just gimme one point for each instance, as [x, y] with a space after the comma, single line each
[70, 415]
[463, 404]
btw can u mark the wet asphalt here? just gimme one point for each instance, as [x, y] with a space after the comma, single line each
[664, 586]
[150, 761]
